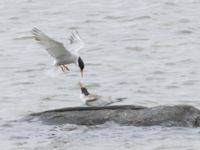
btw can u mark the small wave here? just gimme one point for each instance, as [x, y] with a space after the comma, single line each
[114, 17]
[135, 19]
[23, 38]
[171, 87]
[170, 3]
[14, 18]
[123, 83]
[23, 83]
[92, 21]
[49, 98]
[94, 64]
[159, 45]
[26, 70]
[184, 32]
[170, 63]
[41, 64]
[142, 18]
[190, 82]
[74, 28]
[136, 48]
[142, 91]
[135, 39]
[158, 72]
[186, 61]
[93, 14]
[184, 20]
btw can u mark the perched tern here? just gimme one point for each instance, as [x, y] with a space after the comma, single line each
[90, 99]
[63, 56]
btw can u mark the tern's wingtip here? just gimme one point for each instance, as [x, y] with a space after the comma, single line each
[35, 30]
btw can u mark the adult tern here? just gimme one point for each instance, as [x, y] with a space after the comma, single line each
[63, 56]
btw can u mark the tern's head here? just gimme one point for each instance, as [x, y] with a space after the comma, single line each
[84, 91]
[81, 65]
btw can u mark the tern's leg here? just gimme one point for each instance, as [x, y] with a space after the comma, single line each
[65, 66]
[62, 68]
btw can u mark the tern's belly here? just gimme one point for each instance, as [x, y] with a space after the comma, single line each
[64, 60]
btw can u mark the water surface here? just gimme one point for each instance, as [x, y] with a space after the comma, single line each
[145, 50]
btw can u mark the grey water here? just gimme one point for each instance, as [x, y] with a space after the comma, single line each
[145, 50]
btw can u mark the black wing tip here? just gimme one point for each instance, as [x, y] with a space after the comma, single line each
[35, 31]
[75, 37]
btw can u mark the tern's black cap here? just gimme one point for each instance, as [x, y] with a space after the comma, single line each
[81, 63]
[85, 91]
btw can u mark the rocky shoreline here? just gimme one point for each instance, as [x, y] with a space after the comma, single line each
[178, 116]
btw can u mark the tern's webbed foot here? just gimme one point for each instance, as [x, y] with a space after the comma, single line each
[65, 66]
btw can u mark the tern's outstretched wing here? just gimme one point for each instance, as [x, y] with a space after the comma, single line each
[75, 42]
[55, 49]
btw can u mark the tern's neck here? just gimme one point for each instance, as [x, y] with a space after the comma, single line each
[83, 97]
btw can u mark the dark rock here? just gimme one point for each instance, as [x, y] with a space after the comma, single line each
[180, 115]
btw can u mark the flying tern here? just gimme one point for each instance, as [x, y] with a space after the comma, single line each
[62, 56]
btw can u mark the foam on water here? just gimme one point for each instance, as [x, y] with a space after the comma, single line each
[53, 73]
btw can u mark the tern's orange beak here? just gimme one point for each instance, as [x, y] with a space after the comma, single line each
[82, 73]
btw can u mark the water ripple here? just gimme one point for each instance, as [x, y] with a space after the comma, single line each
[135, 48]
[147, 50]
[184, 32]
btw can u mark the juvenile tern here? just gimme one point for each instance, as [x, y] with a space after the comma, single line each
[63, 56]
[90, 99]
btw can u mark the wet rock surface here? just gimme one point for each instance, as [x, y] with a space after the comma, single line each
[179, 115]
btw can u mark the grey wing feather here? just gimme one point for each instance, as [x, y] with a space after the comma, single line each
[55, 48]
[75, 42]
[97, 100]
[93, 98]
